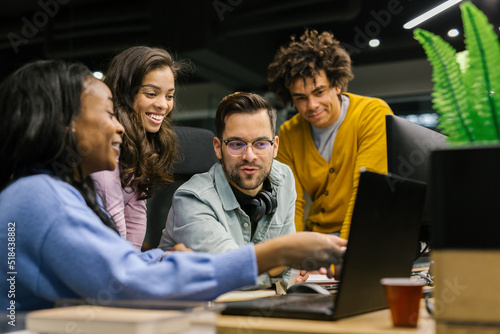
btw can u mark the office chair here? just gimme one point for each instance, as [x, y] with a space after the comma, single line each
[196, 155]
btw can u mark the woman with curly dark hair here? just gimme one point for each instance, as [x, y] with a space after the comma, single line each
[142, 80]
[334, 134]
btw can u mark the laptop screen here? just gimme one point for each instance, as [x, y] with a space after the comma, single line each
[382, 243]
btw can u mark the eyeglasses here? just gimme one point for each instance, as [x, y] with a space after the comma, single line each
[238, 147]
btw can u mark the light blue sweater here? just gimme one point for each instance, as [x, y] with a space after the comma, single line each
[61, 249]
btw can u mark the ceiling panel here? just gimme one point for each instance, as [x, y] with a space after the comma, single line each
[230, 41]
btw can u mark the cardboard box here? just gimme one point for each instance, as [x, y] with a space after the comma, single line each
[467, 292]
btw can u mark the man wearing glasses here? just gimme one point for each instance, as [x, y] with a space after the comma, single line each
[246, 197]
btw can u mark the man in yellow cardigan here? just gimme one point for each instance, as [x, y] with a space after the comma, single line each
[334, 133]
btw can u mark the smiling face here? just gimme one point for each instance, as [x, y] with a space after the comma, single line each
[315, 100]
[97, 131]
[247, 172]
[155, 98]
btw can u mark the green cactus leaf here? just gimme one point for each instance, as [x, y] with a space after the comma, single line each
[449, 98]
[482, 75]
[466, 91]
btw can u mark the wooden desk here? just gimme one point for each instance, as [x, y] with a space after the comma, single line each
[369, 323]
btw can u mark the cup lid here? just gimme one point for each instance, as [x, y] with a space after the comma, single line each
[402, 281]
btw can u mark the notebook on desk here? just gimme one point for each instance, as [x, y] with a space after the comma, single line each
[382, 243]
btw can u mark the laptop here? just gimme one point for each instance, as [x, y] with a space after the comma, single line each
[383, 242]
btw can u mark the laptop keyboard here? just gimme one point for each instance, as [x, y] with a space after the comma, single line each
[293, 303]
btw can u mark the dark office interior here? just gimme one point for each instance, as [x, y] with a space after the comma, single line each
[231, 42]
[438, 188]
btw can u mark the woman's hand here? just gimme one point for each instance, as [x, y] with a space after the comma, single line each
[302, 250]
[180, 248]
[177, 248]
[303, 276]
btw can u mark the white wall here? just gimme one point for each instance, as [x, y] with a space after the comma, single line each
[198, 100]
[409, 77]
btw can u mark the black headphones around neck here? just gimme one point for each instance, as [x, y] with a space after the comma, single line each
[263, 204]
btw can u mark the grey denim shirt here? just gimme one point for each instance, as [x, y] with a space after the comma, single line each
[206, 217]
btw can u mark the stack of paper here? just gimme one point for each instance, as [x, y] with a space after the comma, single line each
[103, 320]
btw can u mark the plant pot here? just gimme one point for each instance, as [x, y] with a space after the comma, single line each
[465, 194]
[465, 197]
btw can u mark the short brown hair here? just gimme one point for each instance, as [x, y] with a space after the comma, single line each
[306, 57]
[241, 102]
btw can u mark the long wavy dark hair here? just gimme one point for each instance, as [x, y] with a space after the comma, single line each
[38, 104]
[145, 158]
[306, 57]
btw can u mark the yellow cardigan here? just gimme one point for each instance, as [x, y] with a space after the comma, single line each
[360, 142]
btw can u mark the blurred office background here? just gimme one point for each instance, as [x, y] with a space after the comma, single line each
[231, 42]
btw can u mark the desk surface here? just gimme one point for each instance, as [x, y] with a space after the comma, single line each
[370, 323]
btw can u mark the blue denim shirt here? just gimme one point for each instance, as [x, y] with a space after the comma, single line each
[206, 217]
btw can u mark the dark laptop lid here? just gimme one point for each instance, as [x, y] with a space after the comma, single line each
[383, 241]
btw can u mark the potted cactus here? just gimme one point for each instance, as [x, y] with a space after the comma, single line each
[466, 84]
[465, 178]
[466, 96]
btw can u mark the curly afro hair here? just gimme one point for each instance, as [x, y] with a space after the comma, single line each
[306, 57]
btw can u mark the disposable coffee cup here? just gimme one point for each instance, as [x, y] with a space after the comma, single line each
[403, 297]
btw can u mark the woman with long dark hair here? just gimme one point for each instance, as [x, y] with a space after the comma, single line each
[142, 80]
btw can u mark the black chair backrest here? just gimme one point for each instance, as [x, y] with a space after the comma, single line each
[196, 155]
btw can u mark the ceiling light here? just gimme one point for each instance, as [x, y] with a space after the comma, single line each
[374, 43]
[98, 75]
[453, 33]
[427, 15]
